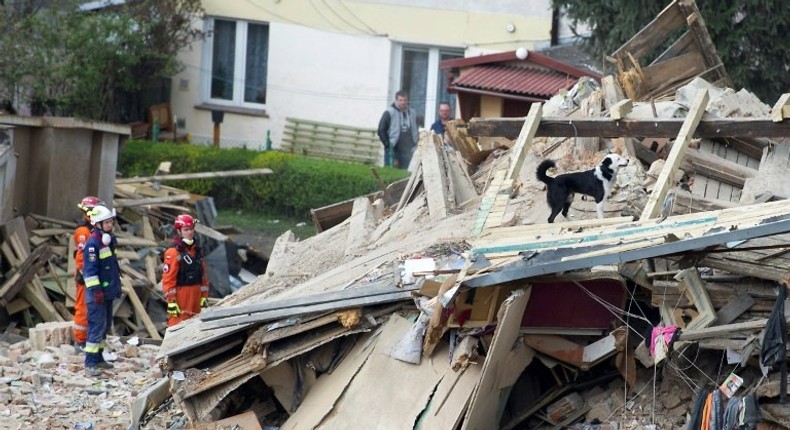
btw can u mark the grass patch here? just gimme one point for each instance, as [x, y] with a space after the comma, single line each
[264, 224]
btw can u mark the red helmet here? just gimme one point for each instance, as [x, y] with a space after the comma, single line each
[184, 221]
[89, 202]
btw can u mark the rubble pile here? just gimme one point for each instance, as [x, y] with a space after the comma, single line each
[46, 388]
[449, 302]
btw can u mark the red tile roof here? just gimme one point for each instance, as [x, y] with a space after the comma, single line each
[514, 80]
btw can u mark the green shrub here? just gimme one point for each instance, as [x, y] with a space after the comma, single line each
[297, 185]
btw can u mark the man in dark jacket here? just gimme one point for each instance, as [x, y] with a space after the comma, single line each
[398, 131]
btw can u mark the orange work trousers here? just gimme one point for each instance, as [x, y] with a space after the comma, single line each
[80, 328]
[188, 299]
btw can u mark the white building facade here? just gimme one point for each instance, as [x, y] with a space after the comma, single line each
[336, 61]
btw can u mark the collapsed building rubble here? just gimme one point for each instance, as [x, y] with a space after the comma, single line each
[319, 334]
[451, 304]
[39, 254]
[520, 324]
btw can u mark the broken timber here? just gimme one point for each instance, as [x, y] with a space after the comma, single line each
[607, 127]
[305, 305]
[200, 175]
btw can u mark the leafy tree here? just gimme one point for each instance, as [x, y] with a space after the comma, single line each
[747, 34]
[69, 61]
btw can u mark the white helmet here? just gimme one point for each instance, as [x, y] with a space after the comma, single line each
[100, 213]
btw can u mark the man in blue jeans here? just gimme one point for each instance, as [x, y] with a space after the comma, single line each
[102, 285]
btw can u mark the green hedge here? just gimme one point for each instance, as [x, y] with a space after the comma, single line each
[297, 185]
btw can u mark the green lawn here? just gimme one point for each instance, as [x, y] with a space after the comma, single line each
[265, 225]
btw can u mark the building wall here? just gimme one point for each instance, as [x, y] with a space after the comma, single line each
[490, 107]
[339, 61]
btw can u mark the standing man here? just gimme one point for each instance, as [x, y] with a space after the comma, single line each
[440, 125]
[102, 286]
[398, 131]
[184, 277]
[81, 234]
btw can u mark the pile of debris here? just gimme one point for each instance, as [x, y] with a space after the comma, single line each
[38, 255]
[452, 304]
[457, 306]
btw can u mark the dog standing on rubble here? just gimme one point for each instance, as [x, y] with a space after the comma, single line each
[596, 183]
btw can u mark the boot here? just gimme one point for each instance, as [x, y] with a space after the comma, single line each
[103, 364]
[92, 372]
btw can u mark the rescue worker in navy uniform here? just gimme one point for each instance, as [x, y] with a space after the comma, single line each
[102, 285]
[81, 235]
[184, 276]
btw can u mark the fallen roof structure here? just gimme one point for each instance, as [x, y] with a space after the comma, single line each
[524, 324]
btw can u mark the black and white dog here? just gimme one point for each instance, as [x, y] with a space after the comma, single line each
[595, 182]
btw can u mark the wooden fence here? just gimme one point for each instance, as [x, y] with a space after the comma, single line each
[334, 141]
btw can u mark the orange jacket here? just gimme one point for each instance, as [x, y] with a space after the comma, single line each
[171, 266]
[81, 235]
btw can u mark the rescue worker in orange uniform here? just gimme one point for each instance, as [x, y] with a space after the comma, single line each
[81, 234]
[184, 277]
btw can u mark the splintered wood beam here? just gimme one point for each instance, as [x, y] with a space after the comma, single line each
[653, 34]
[524, 141]
[781, 109]
[125, 203]
[654, 127]
[663, 183]
[140, 309]
[24, 273]
[201, 175]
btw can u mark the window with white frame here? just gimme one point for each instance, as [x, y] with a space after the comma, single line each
[420, 75]
[235, 62]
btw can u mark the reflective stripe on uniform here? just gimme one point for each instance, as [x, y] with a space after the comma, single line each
[92, 281]
[204, 288]
[105, 253]
[80, 327]
[91, 347]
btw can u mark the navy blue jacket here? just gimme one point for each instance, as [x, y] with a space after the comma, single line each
[101, 267]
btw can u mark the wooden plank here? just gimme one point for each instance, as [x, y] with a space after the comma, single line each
[329, 387]
[71, 270]
[150, 259]
[654, 127]
[663, 183]
[501, 366]
[734, 309]
[40, 303]
[653, 34]
[434, 178]
[524, 141]
[683, 44]
[449, 403]
[490, 198]
[139, 309]
[777, 113]
[716, 167]
[673, 70]
[260, 317]
[371, 388]
[199, 175]
[312, 299]
[25, 272]
[126, 203]
[723, 330]
[124, 240]
[718, 74]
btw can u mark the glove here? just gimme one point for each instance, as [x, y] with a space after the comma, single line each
[203, 302]
[98, 296]
[173, 310]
